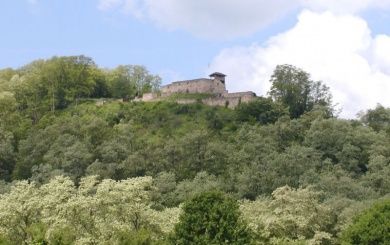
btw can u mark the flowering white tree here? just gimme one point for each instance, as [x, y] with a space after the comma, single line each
[291, 215]
[93, 212]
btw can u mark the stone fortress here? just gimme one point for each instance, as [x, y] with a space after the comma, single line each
[213, 89]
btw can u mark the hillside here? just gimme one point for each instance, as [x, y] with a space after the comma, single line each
[297, 172]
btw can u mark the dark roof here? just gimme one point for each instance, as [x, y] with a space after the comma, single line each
[217, 74]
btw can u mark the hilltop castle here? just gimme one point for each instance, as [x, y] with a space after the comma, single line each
[213, 86]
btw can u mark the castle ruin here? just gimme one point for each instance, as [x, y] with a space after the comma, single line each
[213, 86]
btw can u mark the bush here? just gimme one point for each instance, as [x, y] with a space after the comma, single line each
[370, 227]
[211, 218]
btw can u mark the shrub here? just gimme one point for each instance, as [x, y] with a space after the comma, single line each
[211, 218]
[370, 227]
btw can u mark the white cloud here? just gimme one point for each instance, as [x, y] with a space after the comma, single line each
[337, 49]
[224, 19]
[344, 6]
[206, 18]
[381, 54]
[335, 46]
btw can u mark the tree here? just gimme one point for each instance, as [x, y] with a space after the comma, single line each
[68, 154]
[378, 174]
[145, 82]
[30, 93]
[5, 78]
[202, 182]
[262, 110]
[19, 211]
[7, 154]
[7, 106]
[193, 150]
[378, 118]
[370, 227]
[48, 85]
[290, 215]
[164, 185]
[343, 143]
[278, 170]
[120, 82]
[10, 117]
[101, 88]
[294, 88]
[211, 218]
[93, 212]
[69, 79]
[130, 81]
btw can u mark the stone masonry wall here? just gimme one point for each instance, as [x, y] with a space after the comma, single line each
[230, 100]
[203, 85]
[149, 97]
[220, 97]
[240, 94]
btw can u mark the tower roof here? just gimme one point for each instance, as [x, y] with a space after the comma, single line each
[217, 74]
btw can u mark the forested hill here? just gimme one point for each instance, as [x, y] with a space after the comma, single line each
[298, 173]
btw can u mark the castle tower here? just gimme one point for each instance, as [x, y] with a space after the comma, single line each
[218, 76]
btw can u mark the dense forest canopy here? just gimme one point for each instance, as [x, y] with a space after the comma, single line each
[284, 168]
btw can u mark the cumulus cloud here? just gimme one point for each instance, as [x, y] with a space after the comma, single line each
[205, 18]
[344, 6]
[330, 41]
[225, 19]
[337, 49]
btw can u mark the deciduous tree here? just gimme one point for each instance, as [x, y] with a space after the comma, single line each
[211, 218]
[294, 88]
[370, 227]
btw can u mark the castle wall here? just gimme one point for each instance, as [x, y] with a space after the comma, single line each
[220, 97]
[186, 101]
[203, 85]
[230, 100]
[240, 94]
[149, 97]
[221, 101]
[245, 97]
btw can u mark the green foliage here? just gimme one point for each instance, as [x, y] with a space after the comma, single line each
[262, 110]
[4, 241]
[51, 125]
[370, 227]
[54, 84]
[377, 176]
[292, 215]
[211, 218]
[7, 154]
[338, 183]
[293, 88]
[201, 183]
[141, 237]
[378, 118]
[61, 213]
[130, 81]
[62, 236]
[169, 193]
[343, 143]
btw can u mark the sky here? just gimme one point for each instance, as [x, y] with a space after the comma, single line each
[344, 43]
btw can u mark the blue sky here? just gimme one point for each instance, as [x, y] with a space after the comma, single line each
[43, 28]
[245, 39]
